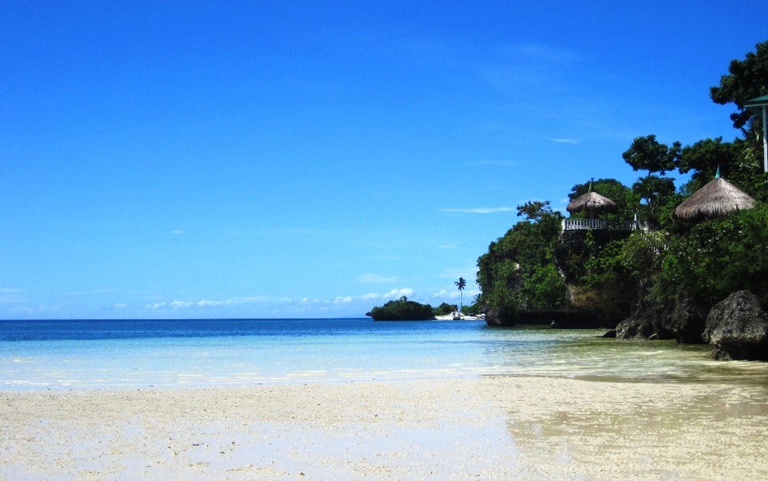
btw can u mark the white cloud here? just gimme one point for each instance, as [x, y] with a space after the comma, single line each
[393, 294]
[178, 304]
[156, 305]
[208, 303]
[468, 294]
[177, 232]
[121, 305]
[377, 279]
[8, 295]
[479, 210]
[564, 141]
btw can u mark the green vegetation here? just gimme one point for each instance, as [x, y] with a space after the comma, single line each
[405, 310]
[472, 310]
[519, 272]
[444, 309]
[717, 257]
[401, 310]
[709, 260]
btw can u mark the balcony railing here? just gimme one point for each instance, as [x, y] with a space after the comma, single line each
[601, 224]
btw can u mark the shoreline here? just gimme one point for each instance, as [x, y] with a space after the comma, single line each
[494, 427]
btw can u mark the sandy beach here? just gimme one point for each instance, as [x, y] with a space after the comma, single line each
[525, 428]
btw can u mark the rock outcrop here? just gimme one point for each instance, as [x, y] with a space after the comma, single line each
[501, 317]
[737, 328]
[688, 320]
[649, 319]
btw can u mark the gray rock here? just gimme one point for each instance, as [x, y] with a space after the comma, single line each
[500, 317]
[737, 328]
[688, 320]
[633, 328]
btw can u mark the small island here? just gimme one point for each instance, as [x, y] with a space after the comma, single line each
[405, 310]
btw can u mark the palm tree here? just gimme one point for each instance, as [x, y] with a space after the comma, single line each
[461, 283]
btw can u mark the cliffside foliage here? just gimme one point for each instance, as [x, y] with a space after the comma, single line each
[518, 271]
[718, 257]
[709, 260]
[619, 262]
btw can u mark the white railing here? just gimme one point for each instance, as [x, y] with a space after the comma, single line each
[601, 224]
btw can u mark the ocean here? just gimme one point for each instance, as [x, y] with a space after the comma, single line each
[62, 355]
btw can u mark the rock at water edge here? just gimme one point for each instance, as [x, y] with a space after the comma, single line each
[737, 328]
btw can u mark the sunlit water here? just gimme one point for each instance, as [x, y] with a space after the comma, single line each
[207, 353]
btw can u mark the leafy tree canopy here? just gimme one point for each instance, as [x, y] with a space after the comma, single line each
[746, 80]
[652, 188]
[706, 156]
[646, 153]
[656, 191]
[536, 210]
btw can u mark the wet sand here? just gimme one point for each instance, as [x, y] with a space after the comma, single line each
[525, 428]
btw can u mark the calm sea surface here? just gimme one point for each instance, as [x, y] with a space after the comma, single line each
[207, 353]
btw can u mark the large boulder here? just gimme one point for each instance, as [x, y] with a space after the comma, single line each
[737, 328]
[688, 319]
[632, 328]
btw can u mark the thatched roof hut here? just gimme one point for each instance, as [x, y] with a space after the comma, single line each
[593, 202]
[716, 199]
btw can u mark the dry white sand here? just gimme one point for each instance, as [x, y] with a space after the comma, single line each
[488, 428]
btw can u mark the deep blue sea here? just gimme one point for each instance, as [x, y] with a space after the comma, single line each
[208, 353]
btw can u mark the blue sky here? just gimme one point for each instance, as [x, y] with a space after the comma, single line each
[314, 159]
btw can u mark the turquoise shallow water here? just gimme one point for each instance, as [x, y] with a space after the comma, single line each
[207, 353]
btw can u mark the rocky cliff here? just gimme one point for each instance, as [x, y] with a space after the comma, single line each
[583, 306]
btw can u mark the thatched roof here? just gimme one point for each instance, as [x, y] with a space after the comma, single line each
[592, 201]
[716, 199]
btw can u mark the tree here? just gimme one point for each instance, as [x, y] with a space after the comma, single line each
[747, 79]
[461, 284]
[534, 210]
[706, 156]
[646, 153]
[654, 190]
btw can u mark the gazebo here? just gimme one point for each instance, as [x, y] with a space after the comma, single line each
[593, 202]
[758, 106]
[716, 199]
